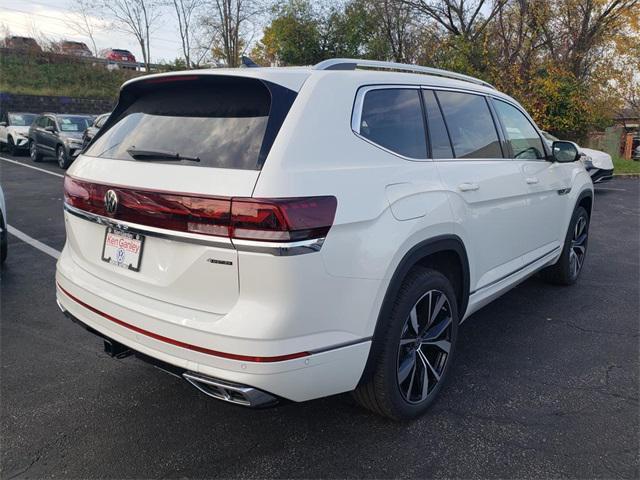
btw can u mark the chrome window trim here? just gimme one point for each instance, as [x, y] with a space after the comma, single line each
[356, 117]
[279, 249]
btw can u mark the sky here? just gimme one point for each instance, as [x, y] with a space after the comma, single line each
[50, 18]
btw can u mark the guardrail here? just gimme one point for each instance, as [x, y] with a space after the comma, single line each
[68, 58]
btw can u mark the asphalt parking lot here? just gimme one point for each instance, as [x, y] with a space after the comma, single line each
[546, 382]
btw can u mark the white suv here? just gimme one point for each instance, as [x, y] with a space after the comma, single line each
[295, 233]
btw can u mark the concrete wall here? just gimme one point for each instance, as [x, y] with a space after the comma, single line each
[40, 103]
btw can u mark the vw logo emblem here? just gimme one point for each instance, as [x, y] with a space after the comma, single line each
[110, 201]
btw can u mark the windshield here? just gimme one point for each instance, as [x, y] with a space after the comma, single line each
[74, 123]
[222, 122]
[21, 119]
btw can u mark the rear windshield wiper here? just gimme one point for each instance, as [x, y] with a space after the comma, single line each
[158, 155]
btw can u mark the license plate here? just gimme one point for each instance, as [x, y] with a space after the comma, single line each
[123, 249]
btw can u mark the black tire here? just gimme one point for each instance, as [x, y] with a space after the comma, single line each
[3, 241]
[34, 153]
[564, 271]
[63, 159]
[385, 393]
[11, 146]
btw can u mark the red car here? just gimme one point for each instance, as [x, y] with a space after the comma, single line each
[118, 55]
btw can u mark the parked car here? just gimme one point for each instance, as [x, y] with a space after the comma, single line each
[78, 49]
[118, 55]
[14, 131]
[90, 132]
[23, 44]
[4, 241]
[598, 164]
[301, 232]
[58, 135]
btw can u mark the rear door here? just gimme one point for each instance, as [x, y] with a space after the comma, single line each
[487, 191]
[162, 171]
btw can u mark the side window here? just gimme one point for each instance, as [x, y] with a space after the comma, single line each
[101, 121]
[470, 125]
[438, 136]
[50, 122]
[41, 122]
[524, 139]
[392, 118]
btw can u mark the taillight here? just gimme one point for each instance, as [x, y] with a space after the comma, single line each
[274, 220]
[282, 220]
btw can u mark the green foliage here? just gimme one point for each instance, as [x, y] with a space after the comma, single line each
[626, 167]
[48, 75]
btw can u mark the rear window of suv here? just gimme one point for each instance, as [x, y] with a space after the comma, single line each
[225, 122]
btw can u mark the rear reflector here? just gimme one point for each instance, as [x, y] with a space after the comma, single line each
[273, 220]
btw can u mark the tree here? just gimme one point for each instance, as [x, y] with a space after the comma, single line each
[137, 17]
[84, 22]
[458, 17]
[232, 27]
[187, 12]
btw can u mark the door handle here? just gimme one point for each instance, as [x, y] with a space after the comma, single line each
[532, 180]
[468, 187]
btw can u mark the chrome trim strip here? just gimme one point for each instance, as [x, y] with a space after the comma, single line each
[515, 271]
[279, 249]
[340, 345]
[220, 242]
[254, 246]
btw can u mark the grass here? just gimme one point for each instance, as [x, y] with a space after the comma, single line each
[48, 75]
[622, 166]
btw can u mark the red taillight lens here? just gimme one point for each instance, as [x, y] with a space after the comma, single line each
[275, 220]
[282, 220]
[185, 213]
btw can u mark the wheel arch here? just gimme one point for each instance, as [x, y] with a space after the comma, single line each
[434, 253]
[585, 199]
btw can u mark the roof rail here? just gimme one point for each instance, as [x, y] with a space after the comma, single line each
[353, 63]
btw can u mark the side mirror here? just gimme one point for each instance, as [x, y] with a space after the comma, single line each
[50, 129]
[565, 152]
[3, 124]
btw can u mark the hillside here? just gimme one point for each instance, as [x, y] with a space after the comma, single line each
[51, 74]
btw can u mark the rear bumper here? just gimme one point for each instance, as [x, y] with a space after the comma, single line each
[233, 393]
[311, 374]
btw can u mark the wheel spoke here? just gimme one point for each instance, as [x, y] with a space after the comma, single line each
[580, 240]
[405, 341]
[425, 376]
[406, 367]
[436, 330]
[443, 345]
[426, 362]
[414, 320]
[436, 310]
[413, 376]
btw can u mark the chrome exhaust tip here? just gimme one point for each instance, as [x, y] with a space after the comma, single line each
[230, 392]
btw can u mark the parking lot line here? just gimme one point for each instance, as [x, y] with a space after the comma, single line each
[31, 166]
[33, 242]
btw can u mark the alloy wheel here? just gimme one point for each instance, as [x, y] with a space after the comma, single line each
[425, 345]
[32, 150]
[61, 158]
[578, 249]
